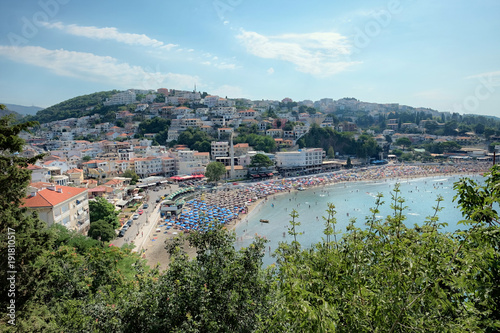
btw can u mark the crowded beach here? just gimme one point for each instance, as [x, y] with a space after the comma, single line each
[227, 206]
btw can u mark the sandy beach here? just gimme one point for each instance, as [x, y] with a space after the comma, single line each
[232, 206]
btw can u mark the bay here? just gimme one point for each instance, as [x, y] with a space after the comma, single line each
[352, 200]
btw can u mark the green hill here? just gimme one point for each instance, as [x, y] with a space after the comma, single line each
[73, 108]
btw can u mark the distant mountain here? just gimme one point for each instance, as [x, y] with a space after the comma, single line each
[6, 112]
[23, 110]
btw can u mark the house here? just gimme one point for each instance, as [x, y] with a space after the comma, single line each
[64, 205]
[39, 174]
[75, 176]
[275, 132]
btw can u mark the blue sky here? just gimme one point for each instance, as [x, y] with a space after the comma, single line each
[439, 54]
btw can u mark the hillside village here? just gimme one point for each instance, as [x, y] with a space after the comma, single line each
[94, 155]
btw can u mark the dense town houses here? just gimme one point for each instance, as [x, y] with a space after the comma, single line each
[75, 169]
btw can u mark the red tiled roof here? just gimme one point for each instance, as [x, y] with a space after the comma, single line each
[50, 198]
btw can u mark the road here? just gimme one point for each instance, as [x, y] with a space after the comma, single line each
[142, 227]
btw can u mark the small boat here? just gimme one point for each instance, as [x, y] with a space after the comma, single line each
[264, 221]
[300, 188]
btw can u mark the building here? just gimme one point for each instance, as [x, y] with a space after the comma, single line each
[191, 162]
[301, 162]
[64, 205]
[219, 149]
[122, 98]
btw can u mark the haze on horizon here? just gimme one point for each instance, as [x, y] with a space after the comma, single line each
[424, 54]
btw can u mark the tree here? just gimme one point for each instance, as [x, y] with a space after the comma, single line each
[131, 174]
[86, 158]
[215, 171]
[403, 141]
[101, 209]
[260, 161]
[101, 230]
[348, 163]
[331, 152]
[29, 234]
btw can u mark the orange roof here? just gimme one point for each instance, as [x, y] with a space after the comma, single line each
[241, 145]
[33, 167]
[114, 182]
[50, 198]
[74, 170]
[40, 185]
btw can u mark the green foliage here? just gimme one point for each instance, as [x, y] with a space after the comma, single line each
[259, 142]
[101, 230]
[403, 141]
[154, 125]
[348, 163]
[442, 147]
[131, 174]
[260, 161]
[194, 137]
[319, 137]
[74, 107]
[215, 171]
[101, 209]
[330, 153]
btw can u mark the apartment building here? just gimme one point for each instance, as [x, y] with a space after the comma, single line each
[303, 161]
[219, 149]
[64, 205]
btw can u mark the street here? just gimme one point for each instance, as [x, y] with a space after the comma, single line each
[141, 228]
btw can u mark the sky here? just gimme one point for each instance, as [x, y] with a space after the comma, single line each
[443, 55]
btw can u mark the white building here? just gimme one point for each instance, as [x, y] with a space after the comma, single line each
[122, 98]
[302, 161]
[219, 149]
[191, 162]
[67, 206]
[211, 100]
[148, 166]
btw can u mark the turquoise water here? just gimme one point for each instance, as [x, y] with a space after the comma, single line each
[351, 200]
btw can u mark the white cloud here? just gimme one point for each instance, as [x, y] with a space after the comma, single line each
[491, 78]
[109, 33]
[91, 67]
[270, 71]
[318, 53]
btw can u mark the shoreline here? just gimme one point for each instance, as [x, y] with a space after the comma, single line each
[264, 191]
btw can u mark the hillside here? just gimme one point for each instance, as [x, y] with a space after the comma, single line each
[72, 108]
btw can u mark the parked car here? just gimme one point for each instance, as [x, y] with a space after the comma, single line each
[129, 222]
[121, 233]
[125, 227]
[140, 211]
[158, 200]
[145, 206]
[135, 217]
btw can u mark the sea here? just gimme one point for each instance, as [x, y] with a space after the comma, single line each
[352, 200]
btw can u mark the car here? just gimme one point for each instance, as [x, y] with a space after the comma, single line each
[125, 227]
[121, 233]
[145, 206]
[140, 211]
[129, 222]
[158, 200]
[135, 217]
